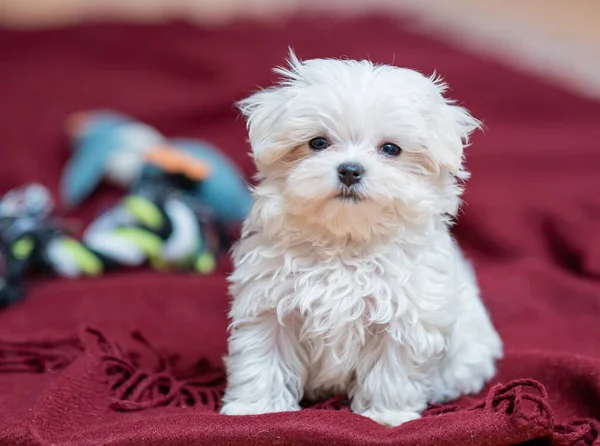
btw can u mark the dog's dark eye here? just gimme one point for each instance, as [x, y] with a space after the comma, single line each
[318, 143]
[391, 149]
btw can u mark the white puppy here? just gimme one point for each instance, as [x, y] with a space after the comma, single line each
[346, 278]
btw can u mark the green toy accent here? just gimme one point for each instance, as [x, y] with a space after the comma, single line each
[22, 248]
[150, 243]
[145, 211]
[205, 263]
[160, 264]
[87, 261]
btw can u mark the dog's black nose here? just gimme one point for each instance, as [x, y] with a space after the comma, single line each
[350, 173]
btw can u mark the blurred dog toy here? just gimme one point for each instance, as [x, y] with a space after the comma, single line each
[161, 221]
[31, 237]
[113, 146]
[181, 193]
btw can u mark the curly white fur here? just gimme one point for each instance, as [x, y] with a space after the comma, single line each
[370, 296]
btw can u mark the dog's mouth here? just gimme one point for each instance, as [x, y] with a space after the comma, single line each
[349, 195]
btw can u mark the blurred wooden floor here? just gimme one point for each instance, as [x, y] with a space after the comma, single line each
[575, 20]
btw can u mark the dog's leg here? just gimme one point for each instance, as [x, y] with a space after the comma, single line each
[470, 361]
[264, 367]
[387, 390]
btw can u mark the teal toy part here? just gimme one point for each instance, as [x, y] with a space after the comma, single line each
[93, 145]
[99, 137]
[225, 191]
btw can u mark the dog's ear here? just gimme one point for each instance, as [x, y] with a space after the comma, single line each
[265, 111]
[451, 126]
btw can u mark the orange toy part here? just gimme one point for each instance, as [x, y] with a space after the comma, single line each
[173, 160]
[76, 123]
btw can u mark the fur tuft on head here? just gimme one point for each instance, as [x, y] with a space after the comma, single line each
[265, 109]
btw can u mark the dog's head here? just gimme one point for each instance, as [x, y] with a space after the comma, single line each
[358, 149]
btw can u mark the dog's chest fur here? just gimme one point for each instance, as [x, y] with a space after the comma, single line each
[333, 309]
[333, 301]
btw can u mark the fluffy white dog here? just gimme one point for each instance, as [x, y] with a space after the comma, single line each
[346, 278]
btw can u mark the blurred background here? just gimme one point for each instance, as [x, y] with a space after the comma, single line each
[560, 39]
[529, 69]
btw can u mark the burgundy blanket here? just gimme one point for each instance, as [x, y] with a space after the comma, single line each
[134, 358]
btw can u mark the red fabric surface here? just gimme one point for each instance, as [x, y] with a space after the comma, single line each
[71, 373]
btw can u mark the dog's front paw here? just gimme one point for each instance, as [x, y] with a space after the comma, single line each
[390, 418]
[257, 408]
